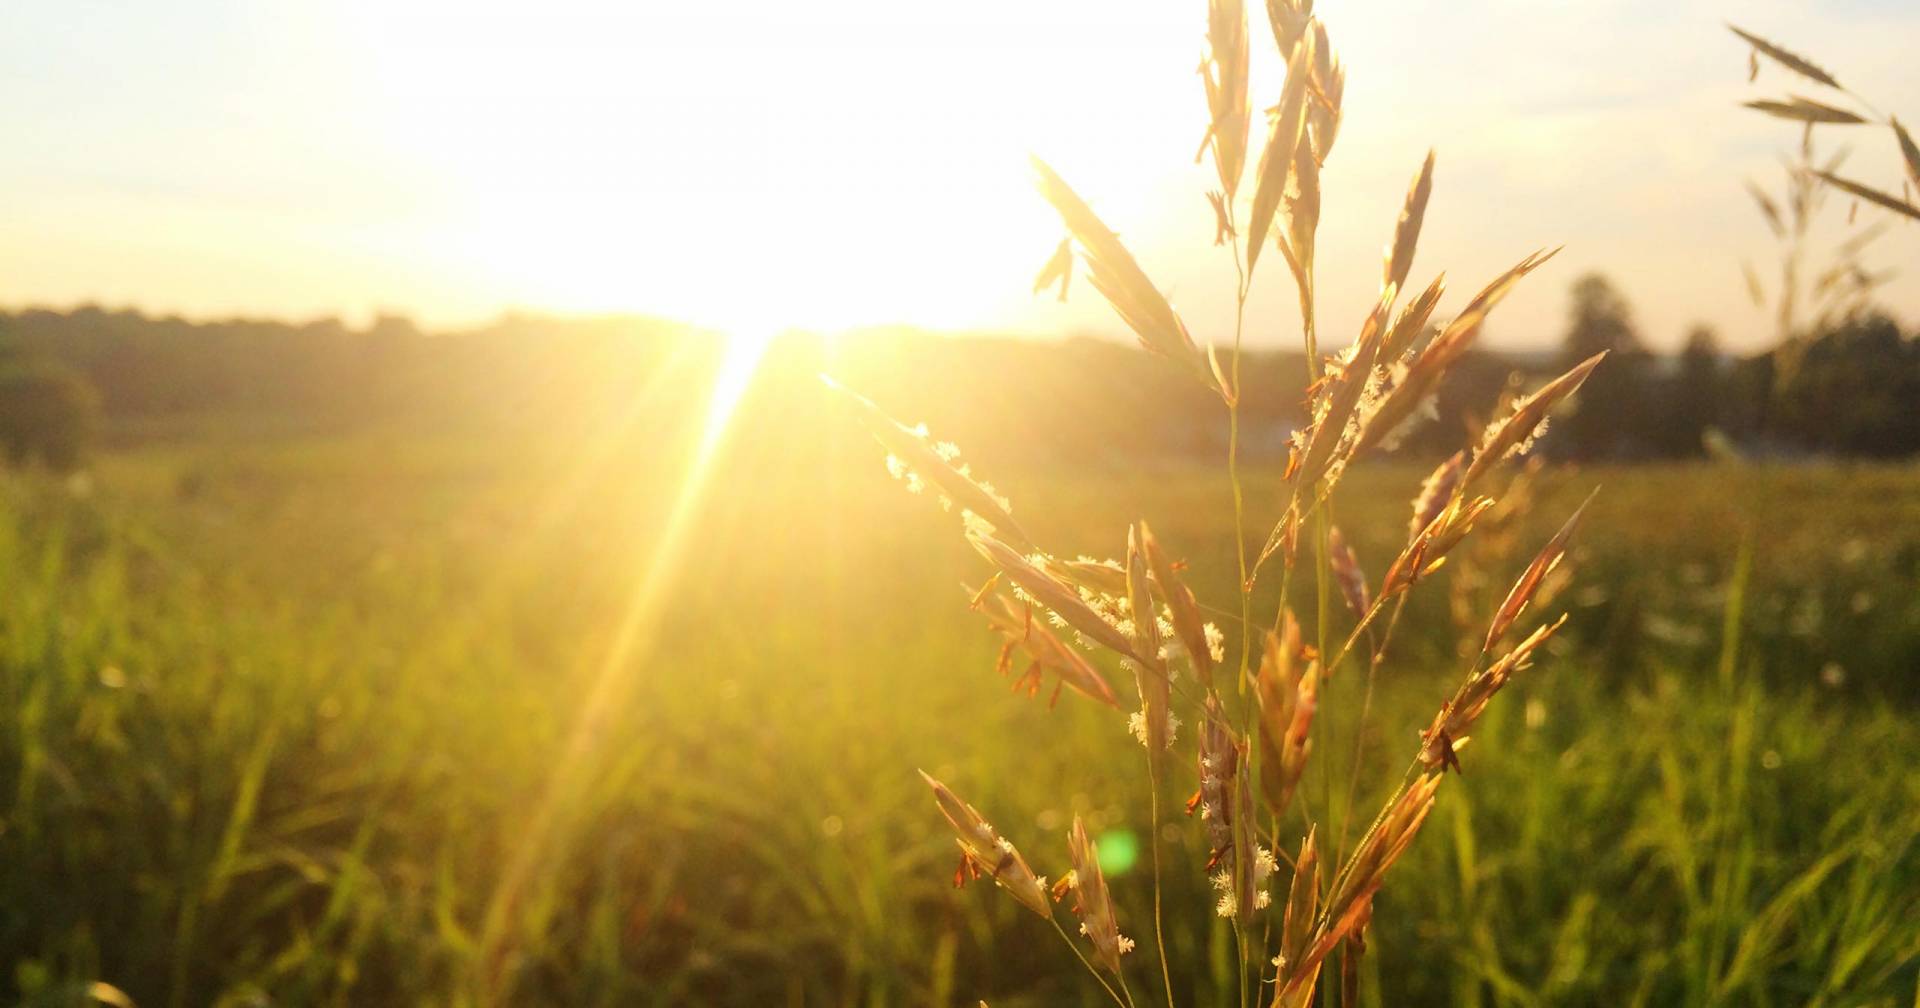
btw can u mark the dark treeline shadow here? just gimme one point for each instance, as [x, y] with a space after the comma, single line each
[1846, 391]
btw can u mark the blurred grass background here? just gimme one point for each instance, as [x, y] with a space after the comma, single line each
[280, 708]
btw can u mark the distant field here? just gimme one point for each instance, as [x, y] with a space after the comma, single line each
[279, 715]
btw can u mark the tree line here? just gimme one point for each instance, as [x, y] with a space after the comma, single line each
[1850, 388]
[69, 376]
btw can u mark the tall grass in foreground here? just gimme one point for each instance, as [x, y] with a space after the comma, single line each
[1299, 931]
[757, 837]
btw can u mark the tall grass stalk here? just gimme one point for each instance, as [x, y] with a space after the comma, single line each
[1145, 619]
[1137, 617]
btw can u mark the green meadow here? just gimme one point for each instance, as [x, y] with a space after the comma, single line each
[298, 719]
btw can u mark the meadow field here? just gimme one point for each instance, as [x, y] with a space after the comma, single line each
[397, 718]
[610, 504]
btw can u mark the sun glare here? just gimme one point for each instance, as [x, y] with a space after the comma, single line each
[737, 367]
[634, 636]
[852, 163]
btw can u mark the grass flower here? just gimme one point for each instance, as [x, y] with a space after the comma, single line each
[984, 852]
[1091, 901]
[1141, 615]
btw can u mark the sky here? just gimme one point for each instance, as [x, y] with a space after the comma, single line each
[759, 164]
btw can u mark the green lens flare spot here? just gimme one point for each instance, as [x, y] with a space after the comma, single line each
[1119, 851]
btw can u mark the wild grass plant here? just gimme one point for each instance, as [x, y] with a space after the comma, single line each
[1297, 883]
[1803, 299]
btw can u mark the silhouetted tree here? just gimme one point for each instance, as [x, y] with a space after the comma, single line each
[569, 378]
[1855, 390]
[1611, 417]
[1692, 395]
[48, 413]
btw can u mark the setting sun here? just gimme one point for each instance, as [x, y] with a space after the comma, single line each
[831, 166]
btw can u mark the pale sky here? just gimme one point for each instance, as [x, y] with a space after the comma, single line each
[847, 162]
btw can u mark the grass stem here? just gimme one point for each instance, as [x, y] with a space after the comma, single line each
[1088, 963]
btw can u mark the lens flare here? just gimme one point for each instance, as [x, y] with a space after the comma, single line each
[546, 830]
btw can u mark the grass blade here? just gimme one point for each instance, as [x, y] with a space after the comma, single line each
[1806, 110]
[1407, 233]
[1798, 64]
[1871, 195]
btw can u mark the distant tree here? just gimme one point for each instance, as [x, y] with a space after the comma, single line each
[1854, 391]
[1693, 395]
[48, 413]
[1472, 393]
[1612, 415]
[390, 327]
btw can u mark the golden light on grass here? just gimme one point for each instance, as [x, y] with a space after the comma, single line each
[579, 661]
[659, 558]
